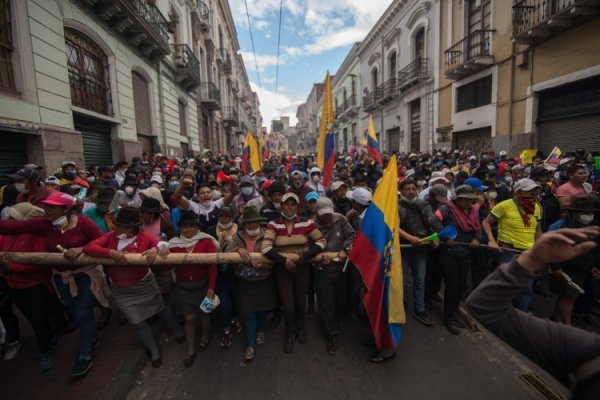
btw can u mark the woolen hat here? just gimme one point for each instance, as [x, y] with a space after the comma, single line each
[324, 206]
[150, 205]
[582, 203]
[465, 192]
[226, 210]
[128, 217]
[251, 214]
[24, 211]
[276, 187]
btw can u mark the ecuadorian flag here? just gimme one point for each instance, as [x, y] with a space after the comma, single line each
[376, 254]
[372, 144]
[554, 157]
[250, 155]
[326, 149]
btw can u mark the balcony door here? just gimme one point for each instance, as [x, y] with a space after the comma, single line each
[479, 19]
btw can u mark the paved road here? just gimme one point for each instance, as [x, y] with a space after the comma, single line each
[430, 364]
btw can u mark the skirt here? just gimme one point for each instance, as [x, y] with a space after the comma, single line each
[190, 294]
[164, 278]
[256, 296]
[140, 301]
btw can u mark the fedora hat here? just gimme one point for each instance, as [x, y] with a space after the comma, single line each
[128, 217]
[150, 205]
[583, 203]
[251, 214]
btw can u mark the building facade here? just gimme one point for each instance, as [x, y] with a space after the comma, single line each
[521, 75]
[98, 81]
[347, 101]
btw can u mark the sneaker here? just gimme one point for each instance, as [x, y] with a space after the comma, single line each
[452, 328]
[422, 318]
[45, 363]
[236, 327]
[288, 345]
[379, 358]
[227, 339]
[260, 338]
[249, 354]
[12, 350]
[301, 336]
[82, 367]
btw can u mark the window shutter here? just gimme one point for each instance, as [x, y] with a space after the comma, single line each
[182, 120]
[141, 101]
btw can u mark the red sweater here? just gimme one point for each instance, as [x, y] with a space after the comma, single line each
[22, 276]
[85, 231]
[197, 272]
[122, 275]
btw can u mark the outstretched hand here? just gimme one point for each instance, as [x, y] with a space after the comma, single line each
[558, 246]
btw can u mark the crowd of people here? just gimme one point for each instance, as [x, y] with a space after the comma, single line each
[156, 206]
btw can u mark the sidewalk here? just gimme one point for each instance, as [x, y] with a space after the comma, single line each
[117, 362]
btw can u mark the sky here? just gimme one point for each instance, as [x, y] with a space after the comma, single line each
[316, 36]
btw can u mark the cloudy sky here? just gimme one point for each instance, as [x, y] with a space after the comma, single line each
[316, 35]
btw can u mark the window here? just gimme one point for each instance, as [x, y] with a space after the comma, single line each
[480, 12]
[6, 73]
[88, 73]
[393, 66]
[374, 78]
[420, 44]
[182, 119]
[474, 94]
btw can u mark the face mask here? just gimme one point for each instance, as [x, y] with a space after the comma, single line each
[409, 200]
[60, 221]
[173, 184]
[129, 190]
[120, 172]
[91, 179]
[585, 219]
[491, 167]
[20, 187]
[70, 175]
[298, 185]
[492, 195]
[277, 205]
[216, 194]
[316, 178]
[225, 226]
[122, 236]
[207, 203]
[253, 232]
[508, 179]
[247, 191]
[289, 217]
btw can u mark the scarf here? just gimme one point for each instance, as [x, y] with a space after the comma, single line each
[190, 243]
[526, 208]
[466, 222]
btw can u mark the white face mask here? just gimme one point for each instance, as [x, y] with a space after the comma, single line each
[207, 203]
[289, 217]
[122, 236]
[217, 194]
[225, 226]
[492, 195]
[129, 190]
[253, 232]
[60, 221]
[91, 179]
[20, 187]
[586, 219]
[316, 178]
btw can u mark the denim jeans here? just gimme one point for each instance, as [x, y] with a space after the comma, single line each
[416, 260]
[227, 310]
[82, 308]
[255, 322]
[525, 297]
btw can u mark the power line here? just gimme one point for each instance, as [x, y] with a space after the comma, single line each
[253, 48]
[278, 47]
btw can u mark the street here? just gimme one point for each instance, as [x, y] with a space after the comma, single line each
[430, 364]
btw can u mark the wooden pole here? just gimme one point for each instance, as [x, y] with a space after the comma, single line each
[138, 259]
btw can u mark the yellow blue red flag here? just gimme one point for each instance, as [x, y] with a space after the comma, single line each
[376, 254]
[326, 149]
[250, 155]
[372, 144]
[554, 157]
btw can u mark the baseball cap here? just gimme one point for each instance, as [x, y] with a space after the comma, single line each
[27, 174]
[476, 184]
[525, 185]
[59, 199]
[288, 196]
[324, 206]
[336, 185]
[246, 180]
[438, 176]
[360, 195]
[311, 196]
[156, 178]
[52, 180]
[439, 191]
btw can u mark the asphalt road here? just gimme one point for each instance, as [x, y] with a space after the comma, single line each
[430, 364]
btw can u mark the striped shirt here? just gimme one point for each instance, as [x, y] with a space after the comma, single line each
[296, 240]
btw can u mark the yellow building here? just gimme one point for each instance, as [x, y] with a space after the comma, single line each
[519, 75]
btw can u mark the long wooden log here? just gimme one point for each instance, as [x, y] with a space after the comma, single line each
[138, 259]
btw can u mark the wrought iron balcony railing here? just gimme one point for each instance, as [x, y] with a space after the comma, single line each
[201, 16]
[413, 73]
[225, 60]
[187, 66]
[387, 91]
[230, 115]
[469, 55]
[369, 102]
[210, 96]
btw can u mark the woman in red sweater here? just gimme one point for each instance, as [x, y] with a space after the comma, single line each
[134, 287]
[79, 287]
[194, 282]
[29, 285]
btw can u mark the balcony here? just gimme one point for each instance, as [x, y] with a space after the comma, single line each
[187, 66]
[386, 92]
[200, 18]
[369, 103]
[537, 20]
[139, 23]
[347, 109]
[229, 115]
[210, 97]
[224, 60]
[470, 55]
[413, 73]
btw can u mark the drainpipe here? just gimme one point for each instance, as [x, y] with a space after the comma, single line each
[510, 96]
[161, 107]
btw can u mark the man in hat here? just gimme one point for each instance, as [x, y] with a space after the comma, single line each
[52, 182]
[69, 172]
[330, 281]
[247, 193]
[299, 187]
[272, 210]
[28, 183]
[100, 213]
[518, 227]
[341, 203]
[106, 176]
